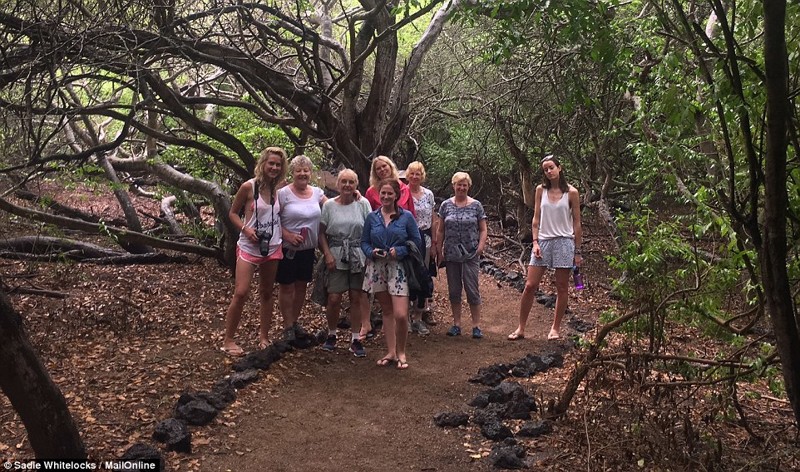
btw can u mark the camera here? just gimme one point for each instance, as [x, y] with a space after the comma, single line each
[263, 242]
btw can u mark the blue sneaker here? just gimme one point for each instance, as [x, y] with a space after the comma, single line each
[476, 333]
[358, 349]
[454, 331]
[330, 343]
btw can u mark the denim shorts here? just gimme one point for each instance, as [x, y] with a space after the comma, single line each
[557, 253]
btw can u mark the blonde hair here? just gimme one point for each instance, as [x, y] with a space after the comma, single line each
[374, 180]
[346, 173]
[459, 176]
[417, 166]
[262, 161]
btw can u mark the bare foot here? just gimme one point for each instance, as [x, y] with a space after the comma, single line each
[263, 343]
[554, 334]
[516, 335]
[232, 349]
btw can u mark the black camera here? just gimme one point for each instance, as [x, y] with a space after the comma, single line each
[263, 242]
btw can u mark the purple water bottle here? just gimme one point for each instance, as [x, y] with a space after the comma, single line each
[577, 277]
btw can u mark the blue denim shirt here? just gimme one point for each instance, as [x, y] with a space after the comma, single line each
[394, 235]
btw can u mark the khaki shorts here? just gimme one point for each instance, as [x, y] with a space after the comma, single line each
[340, 281]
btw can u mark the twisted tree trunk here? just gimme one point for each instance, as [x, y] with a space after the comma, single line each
[38, 401]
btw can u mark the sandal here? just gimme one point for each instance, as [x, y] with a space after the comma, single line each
[386, 361]
[554, 335]
[263, 345]
[402, 365]
[234, 351]
[516, 336]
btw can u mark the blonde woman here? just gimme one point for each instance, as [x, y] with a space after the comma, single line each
[427, 220]
[384, 168]
[461, 239]
[259, 245]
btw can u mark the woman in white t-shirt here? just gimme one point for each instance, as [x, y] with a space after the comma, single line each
[259, 245]
[557, 235]
[301, 205]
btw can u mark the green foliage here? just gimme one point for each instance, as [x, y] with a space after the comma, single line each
[248, 128]
[464, 146]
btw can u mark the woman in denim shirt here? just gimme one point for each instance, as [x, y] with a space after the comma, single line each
[384, 243]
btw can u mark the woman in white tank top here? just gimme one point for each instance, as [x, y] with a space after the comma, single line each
[557, 235]
[259, 245]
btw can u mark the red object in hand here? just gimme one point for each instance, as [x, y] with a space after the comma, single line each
[304, 233]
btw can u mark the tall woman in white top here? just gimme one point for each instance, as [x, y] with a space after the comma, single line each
[557, 234]
[259, 245]
[301, 205]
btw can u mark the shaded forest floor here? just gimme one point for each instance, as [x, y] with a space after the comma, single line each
[128, 340]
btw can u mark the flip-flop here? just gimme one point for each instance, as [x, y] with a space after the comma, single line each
[233, 351]
[552, 336]
[263, 345]
[515, 336]
[386, 361]
[402, 365]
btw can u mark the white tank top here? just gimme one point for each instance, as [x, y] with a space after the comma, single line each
[555, 219]
[266, 220]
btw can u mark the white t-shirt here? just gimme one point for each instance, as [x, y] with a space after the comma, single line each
[301, 213]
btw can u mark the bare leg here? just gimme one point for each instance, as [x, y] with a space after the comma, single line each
[241, 291]
[299, 299]
[534, 277]
[455, 307]
[333, 309]
[389, 323]
[475, 313]
[562, 296]
[285, 301]
[266, 285]
[366, 322]
[400, 308]
[357, 310]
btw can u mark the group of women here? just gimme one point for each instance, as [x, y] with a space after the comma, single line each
[366, 243]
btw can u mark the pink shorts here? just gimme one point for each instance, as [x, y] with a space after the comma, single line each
[258, 260]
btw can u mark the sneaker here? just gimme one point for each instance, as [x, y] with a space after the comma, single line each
[427, 317]
[330, 343]
[358, 349]
[454, 331]
[476, 333]
[420, 328]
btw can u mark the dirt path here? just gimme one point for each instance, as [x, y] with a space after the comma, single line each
[331, 411]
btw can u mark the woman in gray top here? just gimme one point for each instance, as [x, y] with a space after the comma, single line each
[340, 230]
[461, 239]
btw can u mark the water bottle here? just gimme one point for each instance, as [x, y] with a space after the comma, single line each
[577, 277]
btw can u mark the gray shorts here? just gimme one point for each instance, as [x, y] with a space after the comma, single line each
[557, 253]
[340, 281]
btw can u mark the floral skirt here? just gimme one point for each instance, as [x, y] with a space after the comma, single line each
[385, 275]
